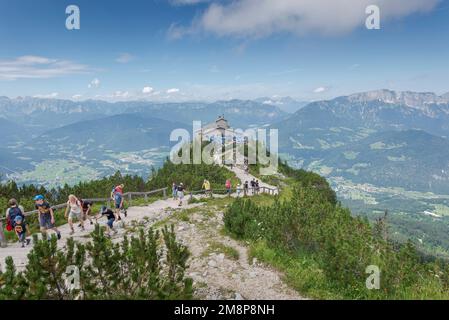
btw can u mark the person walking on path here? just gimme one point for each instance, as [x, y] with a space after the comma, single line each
[253, 186]
[46, 217]
[15, 217]
[117, 196]
[111, 217]
[87, 207]
[256, 184]
[174, 189]
[74, 210]
[180, 193]
[206, 187]
[239, 190]
[245, 188]
[228, 186]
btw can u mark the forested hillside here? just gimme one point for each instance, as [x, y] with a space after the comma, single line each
[304, 232]
[325, 251]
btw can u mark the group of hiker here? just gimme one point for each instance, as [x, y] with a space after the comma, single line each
[255, 187]
[76, 209]
[80, 210]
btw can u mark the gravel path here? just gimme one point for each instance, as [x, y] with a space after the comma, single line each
[216, 275]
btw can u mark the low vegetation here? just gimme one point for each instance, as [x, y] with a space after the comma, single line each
[324, 251]
[149, 266]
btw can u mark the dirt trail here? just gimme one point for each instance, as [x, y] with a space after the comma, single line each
[219, 265]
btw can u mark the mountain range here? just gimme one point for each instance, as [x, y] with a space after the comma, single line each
[380, 149]
[383, 137]
[378, 132]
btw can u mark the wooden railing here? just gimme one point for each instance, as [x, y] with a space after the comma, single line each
[127, 195]
[252, 191]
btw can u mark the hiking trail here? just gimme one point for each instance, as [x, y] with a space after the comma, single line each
[219, 265]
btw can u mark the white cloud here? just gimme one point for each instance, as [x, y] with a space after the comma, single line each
[321, 90]
[121, 94]
[147, 90]
[95, 83]
[124, 58]
[172, 90]
[53, 95]
[77, 96]
[186, 2]
[36, 67]
[258, 18]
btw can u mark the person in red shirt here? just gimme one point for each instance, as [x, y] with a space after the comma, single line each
[228, 187]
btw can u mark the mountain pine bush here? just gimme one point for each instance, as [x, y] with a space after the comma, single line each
[142, 267]
[312, 226]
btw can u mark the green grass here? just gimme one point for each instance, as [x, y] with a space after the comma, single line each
[218, 247]
[301, 272]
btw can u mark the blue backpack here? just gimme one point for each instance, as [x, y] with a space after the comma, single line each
[14, 212]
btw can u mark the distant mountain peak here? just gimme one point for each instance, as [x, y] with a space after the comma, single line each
[407, 98]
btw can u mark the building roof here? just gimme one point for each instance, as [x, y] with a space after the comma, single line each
[220, 123]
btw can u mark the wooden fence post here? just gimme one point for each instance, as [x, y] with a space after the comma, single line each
[165, 193]
[146, 197]
[2, 236]
[130, 199]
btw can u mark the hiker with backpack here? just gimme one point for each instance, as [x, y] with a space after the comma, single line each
[117, 197]
[15, 218]
[46, 217]
[86, 206]
[228, 186]
[73, 211]
[111, 217]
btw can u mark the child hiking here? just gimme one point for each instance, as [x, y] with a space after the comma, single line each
[46, 217]
[15, 218]
[111, 218]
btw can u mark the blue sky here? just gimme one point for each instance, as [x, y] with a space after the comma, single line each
[176, 50]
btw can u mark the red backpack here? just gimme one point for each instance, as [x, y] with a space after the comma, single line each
[8, 224]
